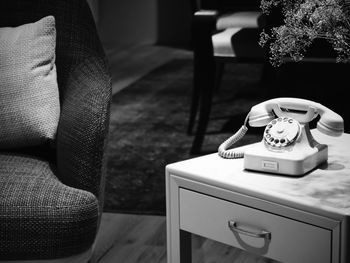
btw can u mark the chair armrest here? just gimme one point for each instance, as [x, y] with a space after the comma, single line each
[244, 19]
[205, 19]
[83, 127]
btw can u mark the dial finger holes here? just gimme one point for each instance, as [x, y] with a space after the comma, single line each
[281, 132]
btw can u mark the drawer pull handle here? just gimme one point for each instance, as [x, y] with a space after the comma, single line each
[262, 234]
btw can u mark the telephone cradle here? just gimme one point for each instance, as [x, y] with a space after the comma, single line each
[300, 158]
[287, 147]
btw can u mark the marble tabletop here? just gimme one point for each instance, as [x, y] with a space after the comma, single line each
[326, 189]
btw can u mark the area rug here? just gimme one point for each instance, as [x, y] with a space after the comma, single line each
[148, 130]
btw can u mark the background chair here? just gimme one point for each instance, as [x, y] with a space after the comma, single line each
[223, 31]
[51, 197]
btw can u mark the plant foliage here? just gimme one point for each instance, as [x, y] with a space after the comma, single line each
[305, 21]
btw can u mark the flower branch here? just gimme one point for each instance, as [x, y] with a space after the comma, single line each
[304, 22]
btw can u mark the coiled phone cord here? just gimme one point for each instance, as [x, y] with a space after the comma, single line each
[232, 154]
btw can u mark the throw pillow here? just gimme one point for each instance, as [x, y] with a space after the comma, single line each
[29, 97]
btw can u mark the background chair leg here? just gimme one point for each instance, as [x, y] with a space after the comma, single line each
[193, 110]
[204, 24]
[206, 97]
[195, 99]
[200, 133]
[219, 69]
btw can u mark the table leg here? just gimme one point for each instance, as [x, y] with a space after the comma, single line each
[179, 247]
[185, 247]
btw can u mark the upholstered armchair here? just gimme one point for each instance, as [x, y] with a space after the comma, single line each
[51, 190]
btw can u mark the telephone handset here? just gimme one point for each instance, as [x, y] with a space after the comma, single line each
[287, 146]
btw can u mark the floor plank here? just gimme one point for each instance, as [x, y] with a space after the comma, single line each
[127, 238]
[131, 238]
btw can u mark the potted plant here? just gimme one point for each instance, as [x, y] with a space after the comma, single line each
[304, 22]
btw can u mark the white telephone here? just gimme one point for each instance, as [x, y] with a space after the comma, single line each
[287, 146]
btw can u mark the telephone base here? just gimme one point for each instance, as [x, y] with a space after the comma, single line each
[295, 162]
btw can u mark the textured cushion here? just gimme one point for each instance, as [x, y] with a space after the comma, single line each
[40, 217]
[29, 99]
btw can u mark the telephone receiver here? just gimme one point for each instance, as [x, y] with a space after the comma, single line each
[287, 146]
[302, 110]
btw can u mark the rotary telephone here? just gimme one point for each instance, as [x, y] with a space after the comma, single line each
[288, 146]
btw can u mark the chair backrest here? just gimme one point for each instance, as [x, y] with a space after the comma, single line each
[275, 17]
[226, 5]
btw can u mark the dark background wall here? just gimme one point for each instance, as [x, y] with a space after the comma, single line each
[125, 22]
[174, 22]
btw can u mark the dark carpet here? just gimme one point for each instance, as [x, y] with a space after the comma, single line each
[148, 130]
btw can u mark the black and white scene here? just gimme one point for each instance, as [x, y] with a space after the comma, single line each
[163, 131]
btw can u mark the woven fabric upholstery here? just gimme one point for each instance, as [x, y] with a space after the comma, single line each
[38, 214]
[29, 100]
[78, 159]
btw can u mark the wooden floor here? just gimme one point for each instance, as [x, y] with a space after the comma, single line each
[127, 238]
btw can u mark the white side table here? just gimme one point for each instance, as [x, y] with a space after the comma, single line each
[288, 219]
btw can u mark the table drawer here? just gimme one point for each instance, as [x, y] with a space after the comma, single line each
[253, 230]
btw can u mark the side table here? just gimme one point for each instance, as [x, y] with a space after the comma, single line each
[289, 219]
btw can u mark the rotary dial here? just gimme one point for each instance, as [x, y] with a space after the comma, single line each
[281, 132]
